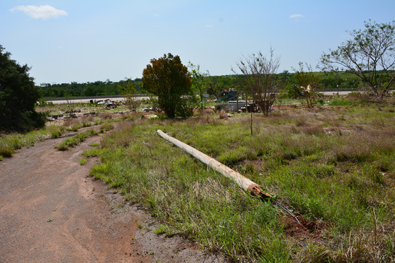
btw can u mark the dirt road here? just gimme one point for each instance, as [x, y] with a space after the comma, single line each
[51, 211]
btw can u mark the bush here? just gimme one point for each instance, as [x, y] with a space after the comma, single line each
[6, 151]
[170, 80]
[18, 96]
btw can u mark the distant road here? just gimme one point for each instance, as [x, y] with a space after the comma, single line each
[143, 96]
[87, 99]
[335, 92]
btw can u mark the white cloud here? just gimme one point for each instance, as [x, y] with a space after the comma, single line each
[156, 15]
[209, 26]
[40, 12]
[296, 16]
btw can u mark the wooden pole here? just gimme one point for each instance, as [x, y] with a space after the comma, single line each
[244, 183]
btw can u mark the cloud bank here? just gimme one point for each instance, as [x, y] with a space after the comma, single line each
[40, 12]
[296, 16]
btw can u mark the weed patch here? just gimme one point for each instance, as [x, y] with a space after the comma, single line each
[106, 127]
[75, 140]
[341, 179]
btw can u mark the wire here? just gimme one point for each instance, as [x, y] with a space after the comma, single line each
[287, 210]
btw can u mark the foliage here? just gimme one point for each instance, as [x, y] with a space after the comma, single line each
[370, 55]
[82, 161]
[169, 80]
[12, 142]
[215, 84]
[74, 89]
[128, 91]
[258, 76]
[18, 96]
[199, 80]
[308, 82]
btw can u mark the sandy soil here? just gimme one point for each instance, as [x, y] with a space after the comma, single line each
[52, 211]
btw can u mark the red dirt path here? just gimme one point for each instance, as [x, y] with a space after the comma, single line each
[51, 211]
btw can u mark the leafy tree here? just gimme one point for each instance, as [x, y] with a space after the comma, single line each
[170, 80]
[90, 91]
[18, 96]
[370, 55]
[198, 81]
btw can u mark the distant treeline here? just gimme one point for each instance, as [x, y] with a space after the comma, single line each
[214, 84]
[74, 89]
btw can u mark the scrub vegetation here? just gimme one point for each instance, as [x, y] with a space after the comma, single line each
[75, 140]
[11, 142]
[333, 166]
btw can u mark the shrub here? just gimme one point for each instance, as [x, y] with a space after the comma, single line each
[55, 131]
[6, 151]
[170, 80]
[18, 96]
[106, 127]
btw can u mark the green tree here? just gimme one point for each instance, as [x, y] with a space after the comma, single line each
[370, 55]
[169, 80]
[198, 81]
[90, 91]
[18, 96]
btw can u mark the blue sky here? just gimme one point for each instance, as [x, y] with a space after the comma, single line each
[70, 40]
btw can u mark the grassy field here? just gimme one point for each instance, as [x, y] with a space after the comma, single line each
[334, 166]
[11, 142]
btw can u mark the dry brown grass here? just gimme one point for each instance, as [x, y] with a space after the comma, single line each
[126, 125]
[223, 115]
[70, 122]
[312, 129]
[105, 116]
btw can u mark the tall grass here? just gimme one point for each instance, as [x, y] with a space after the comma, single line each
[344, 179]
[9, 143]
[75, 140]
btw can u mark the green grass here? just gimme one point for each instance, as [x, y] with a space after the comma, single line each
[91, 152]
[56, 131]
[106, 127]
[82, 161]
[9, 143]
[343, 180]
[75, 140]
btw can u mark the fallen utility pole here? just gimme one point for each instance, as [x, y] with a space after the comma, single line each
[244, 183]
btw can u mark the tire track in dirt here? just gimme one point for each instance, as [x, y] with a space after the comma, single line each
[50, 211]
